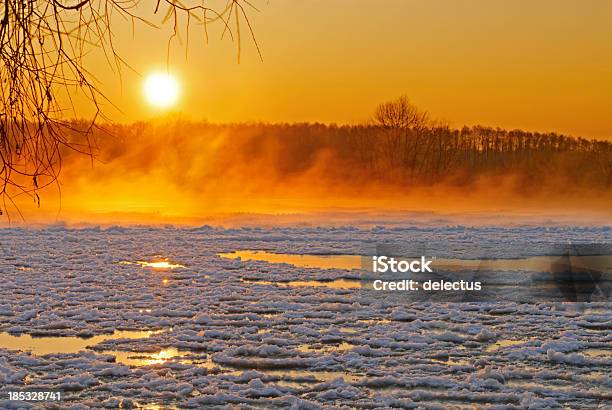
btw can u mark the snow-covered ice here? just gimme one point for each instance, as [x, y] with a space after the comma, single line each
[222, 332]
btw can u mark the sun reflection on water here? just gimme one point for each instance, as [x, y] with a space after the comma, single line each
[136, 359]
[65, 344]
[158, 264]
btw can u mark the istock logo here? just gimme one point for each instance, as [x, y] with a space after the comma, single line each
[384, 264]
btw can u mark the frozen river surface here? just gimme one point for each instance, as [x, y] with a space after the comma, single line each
[155, 318]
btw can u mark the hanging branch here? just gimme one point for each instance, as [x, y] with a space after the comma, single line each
[42, 48]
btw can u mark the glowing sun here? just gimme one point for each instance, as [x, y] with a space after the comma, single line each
[161, 90]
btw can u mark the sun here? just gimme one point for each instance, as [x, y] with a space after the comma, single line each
[161, 90]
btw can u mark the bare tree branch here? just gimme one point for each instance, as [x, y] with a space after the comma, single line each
[401, 114]
[43, 44]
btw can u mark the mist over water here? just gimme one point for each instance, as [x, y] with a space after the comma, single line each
[185, 172]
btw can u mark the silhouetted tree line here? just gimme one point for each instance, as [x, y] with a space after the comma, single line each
[433, 154]
[401, 147]
[405, 156]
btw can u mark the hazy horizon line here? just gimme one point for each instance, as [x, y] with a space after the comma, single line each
[171, 118]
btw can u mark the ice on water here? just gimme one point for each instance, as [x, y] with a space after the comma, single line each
[199, 335]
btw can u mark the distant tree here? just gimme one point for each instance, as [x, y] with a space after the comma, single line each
[401, 114]
[404, 126]
[42, 48]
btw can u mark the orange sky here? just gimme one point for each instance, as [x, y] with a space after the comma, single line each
[543, 65]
